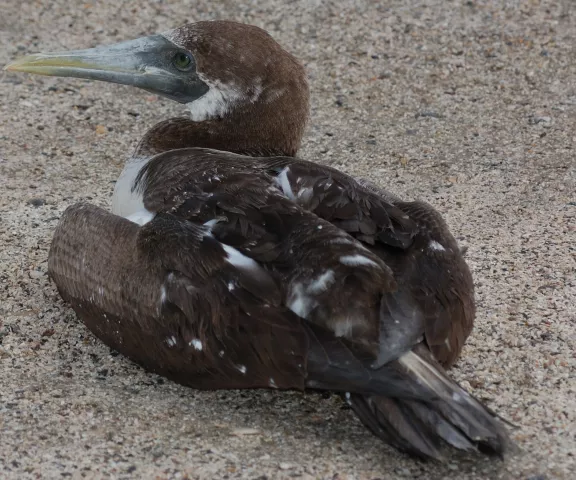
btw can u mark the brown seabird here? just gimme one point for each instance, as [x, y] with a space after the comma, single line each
[227, 262]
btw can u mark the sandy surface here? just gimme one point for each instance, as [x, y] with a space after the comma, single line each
[470, 105]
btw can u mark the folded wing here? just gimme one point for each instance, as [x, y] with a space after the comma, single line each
[235, 284]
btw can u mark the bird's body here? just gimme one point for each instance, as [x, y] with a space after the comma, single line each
[229, 263]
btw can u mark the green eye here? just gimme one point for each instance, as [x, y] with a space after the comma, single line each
[182, 61]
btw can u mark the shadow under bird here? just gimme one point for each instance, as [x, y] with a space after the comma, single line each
[227, 262]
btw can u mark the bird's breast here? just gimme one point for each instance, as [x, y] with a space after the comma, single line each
[128, 202]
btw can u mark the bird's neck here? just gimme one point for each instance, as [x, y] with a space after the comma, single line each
[219, 134]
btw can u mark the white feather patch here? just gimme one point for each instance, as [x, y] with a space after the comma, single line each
[220, 99]
[301, 297]
[437, 247]
[283, 182]
[125, 202]
[343, 327]
[299, 301]
[239, 260]
[357, 260]
[141, 217]
[322, 282]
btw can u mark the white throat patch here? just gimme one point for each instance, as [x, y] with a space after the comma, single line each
[220, 99]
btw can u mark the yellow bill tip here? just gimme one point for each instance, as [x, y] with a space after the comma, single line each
[25, 64]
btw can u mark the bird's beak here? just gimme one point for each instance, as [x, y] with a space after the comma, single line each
[145, 63]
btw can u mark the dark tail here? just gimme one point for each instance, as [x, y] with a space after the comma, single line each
[438, 413]
[410, 402]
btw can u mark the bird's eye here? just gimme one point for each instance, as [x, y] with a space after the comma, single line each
[182, 61]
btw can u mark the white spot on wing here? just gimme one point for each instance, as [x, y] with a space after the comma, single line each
[238, 259]
[171, 341]
[299, 301]
[283, 182]
[272, 383]
[210, 223]
[241, 368]
[357, 260]
[322, 282]
[342, 240]
[437, 247]
[163, 296]
[301, 295]
[342, 327]
[197, 344]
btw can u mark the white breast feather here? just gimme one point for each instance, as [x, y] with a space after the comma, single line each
[125, 202]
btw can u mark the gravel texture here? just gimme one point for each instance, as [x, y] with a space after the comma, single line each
[470, 105]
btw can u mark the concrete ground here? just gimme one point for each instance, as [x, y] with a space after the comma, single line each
[470, 105]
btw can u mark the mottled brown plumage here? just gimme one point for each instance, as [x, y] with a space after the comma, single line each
[250, 270]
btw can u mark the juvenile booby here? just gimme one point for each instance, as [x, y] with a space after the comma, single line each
[229, 263]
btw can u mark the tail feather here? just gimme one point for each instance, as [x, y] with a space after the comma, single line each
[455, 404]
[446, 431]
[444, 415]
[386, 418]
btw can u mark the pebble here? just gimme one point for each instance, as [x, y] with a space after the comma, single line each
[340, 100]
[37, 202]
[535, 120]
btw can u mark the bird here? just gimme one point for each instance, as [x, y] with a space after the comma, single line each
[228, 262]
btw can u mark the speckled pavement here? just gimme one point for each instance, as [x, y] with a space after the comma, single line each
[470, 105]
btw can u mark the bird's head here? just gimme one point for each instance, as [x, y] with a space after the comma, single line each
[219, 69]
